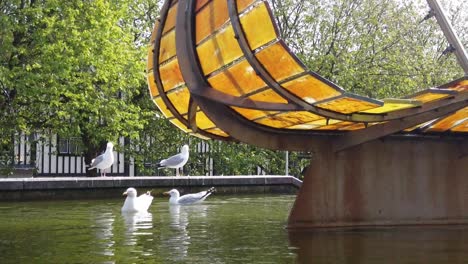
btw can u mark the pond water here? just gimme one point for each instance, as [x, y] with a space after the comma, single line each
[224, 229]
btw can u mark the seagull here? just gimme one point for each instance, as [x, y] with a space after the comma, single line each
[103, 161]
[192, 198]
[176, 161]
[135, 204]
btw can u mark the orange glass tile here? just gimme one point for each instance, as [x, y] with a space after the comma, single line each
[162, 107]
[347, 105]
[171, 18]
[450, 121]
[236, 80]
[300, 117]
[180, 99]
[213, 16]
[200, 3]
[218, 51]
[149, 61]
[275, 122]
[390, 107]
[268, 96]
[203, 122]
[218, 132]
[251, 114]
[180, 125]
[289, 119]
[278, 62]
[310, 89]
[152, 85]
[167, 48]
[170, 75]
[258, 26]
[338, 125]
[428, 97]
[461, 86]
[353, 126]
[210, 19]
[153, 33]
[462, 127]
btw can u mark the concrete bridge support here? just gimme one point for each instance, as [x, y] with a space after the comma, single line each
[392, 181]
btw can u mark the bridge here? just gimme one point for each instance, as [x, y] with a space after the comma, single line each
[213, 72]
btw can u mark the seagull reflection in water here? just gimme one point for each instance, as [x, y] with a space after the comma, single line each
[178, 239]
[137, 224]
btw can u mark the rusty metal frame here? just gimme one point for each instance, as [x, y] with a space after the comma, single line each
[354, 138]
[450, 34]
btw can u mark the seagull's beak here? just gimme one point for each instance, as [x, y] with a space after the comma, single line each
[124, 193]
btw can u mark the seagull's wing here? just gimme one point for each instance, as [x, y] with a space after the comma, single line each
[96, 161]
[144, 201]
[194, 197]
[172, 161]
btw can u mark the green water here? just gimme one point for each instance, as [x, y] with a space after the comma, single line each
[224, 229]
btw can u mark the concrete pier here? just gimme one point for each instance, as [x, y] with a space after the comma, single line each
[107, 187]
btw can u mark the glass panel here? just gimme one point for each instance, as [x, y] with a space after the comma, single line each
[353, 126]
[218, 132]
[210, 19]
[428, 97]
[149, 61]
[162, 107]
[258, 27]
[389, 107]
[203, 122]
[170, 75]
[213, 16]
[152, 85]
[251, 114]
[288, 119]
[347, 105]
[463, 127]
[237, 80]
[310, 89]
[461, 86]
[450, 121]
[180, 99]
[278, 62]
[179, 125]
[200, 4]
[171, 18]
[218, 51]
[268, 96]
[153, 33]
[167, 48]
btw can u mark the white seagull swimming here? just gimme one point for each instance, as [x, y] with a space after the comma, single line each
[103, 161]
[192, 198]
[134, 204]
[176, 161]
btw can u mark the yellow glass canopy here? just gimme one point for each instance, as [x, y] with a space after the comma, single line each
[224, 58]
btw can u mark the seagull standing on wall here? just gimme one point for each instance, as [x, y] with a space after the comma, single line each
[176, 161]
[103, 161]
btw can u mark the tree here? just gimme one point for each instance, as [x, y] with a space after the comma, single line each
[74, 68]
